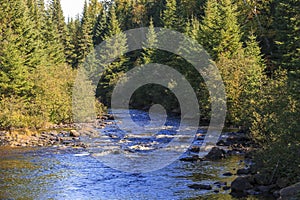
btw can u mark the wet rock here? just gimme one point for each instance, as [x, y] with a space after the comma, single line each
[190, 159]
[218, 183]
[243, 171]
[240, 186]
[215, 154]
[200, 187]
[290, 193]
[195, 149]
[74, 133]
[227, 174]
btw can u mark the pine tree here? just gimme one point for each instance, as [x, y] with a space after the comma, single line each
[170, 18]
[85, 41]
[17, 48]
[220, 31]
[286, 25]
[100, 29]
[149, 52]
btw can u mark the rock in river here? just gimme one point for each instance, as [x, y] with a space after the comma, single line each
[215, 154]
[200, 187]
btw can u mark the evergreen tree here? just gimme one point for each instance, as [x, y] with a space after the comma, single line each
[85, 41]
[170, 18]
[149, 52]
[100, 29]
[220, 31]
[16, 47]
[114, 49]
[286, 24]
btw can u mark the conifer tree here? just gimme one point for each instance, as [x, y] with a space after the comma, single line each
[16, 47]
[114, 49]
[286, 25]
[100, 29]
[170, 18]
[85, 41]
[151, 42]
[220, 31]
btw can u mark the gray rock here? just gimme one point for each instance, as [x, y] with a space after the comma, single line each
[290, 193]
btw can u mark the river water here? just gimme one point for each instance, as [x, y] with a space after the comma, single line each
[69, 173]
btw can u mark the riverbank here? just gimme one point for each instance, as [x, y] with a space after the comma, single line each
[55, 135]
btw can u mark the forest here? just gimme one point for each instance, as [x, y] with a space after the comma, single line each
[254, 44]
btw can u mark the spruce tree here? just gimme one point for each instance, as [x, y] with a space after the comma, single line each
[100, 28]
[114, 49]
[85, 41]
[170, 18]
[148, 54]
[220, 31]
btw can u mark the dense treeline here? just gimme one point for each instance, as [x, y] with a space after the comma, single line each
[255, 45]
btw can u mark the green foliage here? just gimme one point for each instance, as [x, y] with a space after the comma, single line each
[220, 32]
[276, 128]
[114, 48]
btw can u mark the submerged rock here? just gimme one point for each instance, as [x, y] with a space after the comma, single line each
[200, 187]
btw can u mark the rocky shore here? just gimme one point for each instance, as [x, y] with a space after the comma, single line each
[56, 135]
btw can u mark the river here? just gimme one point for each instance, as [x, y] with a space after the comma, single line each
[69, 173]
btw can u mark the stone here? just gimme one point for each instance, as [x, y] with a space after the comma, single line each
[200, 187]
[290, 193]
[195, 149]
[74, 133]
[190, 159]
[215, 154]
[240, 186]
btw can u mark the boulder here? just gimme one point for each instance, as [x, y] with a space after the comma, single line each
[290, 193]
[215, 154]
[240, 186]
